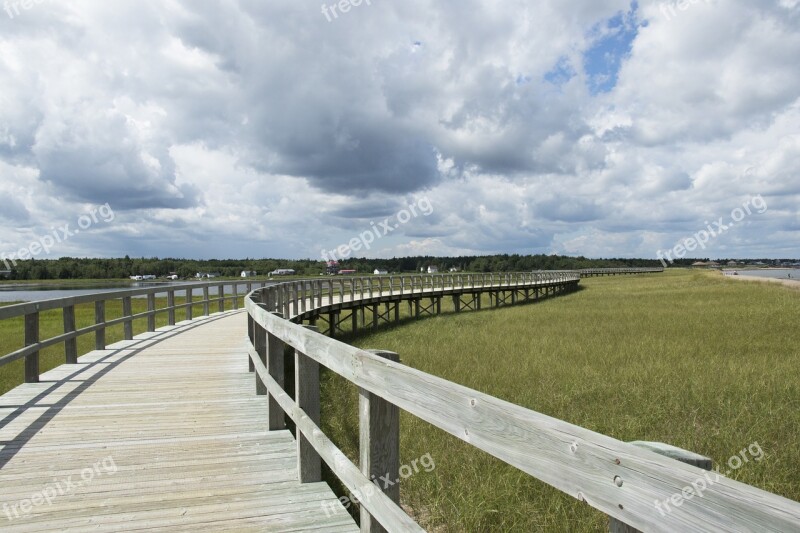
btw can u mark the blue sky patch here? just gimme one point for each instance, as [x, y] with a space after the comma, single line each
[612, 41]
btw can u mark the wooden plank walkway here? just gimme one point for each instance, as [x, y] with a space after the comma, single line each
[164, 432]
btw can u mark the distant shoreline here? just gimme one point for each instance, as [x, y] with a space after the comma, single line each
[793, 283]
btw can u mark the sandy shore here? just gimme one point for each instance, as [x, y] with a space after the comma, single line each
[793, 283]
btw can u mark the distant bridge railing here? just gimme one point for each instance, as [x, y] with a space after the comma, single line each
[620, 479]
[590, 272]
[214, 297]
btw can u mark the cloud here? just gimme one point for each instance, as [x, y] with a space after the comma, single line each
[238, 128]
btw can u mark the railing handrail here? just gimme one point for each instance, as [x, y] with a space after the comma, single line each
[24, 308]
[33, 344]
[618, 478]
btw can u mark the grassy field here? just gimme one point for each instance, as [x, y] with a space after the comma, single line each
[686, 358]
[51, 324]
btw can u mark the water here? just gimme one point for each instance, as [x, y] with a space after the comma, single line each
[779, 273]
[33, 292]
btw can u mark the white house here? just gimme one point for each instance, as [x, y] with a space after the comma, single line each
[137, 278]
[379, 272]
[432, 269]
[248, 274]
[282, 272]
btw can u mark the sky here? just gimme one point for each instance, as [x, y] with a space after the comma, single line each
[289, 128]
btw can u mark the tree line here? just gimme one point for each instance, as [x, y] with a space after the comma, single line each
[122, 268]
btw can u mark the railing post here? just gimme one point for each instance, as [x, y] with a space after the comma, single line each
[171, 310]
[70, 346]
[189, 298]
[379, 444]
[31, 338]
[275, 366]
[151, 308]
[205, 301]
[251, 335]
[306, 386]
[684, 456]
[235, 296]
[260, 346]
[100, 318]
[127, 311]
[221, 296]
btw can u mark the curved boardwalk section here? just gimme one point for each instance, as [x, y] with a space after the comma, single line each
[162, 432]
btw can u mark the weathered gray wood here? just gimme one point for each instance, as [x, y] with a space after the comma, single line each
[127, 325]
[100, 318]
[186, 435]
[206, 300]
[307, 397]
[221, 295]
[31, 338]
[171, 308]
[151, 308]
[379, 444]
[260, 346]
[188, 304]
[575, 460]
[377, 503]
[70, 345]
[275, 366]
[667, 450]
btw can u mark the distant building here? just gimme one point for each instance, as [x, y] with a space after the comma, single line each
[172, 275]
[206, 275]
[248, 274]
[137, 278]
[703, 264]
[347, 272]
[148, 277]
[432, 269]
[5, 273]
[455, 269]
[332, 268]
[379, 272]
[282, 272]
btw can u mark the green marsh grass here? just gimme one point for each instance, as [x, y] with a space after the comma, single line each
[686, 358]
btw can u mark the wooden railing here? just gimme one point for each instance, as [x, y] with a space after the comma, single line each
[620, 479]
[589, 272]
[30, 313]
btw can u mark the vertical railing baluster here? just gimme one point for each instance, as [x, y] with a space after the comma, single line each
[70, 345]
[307, 396]
[379, 444]
[127, 325]
[31, 338]
[151, 309]
[100, 318]
[171, 307]
[275, 366]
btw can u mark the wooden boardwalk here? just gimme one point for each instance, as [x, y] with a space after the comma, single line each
[164, 432]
